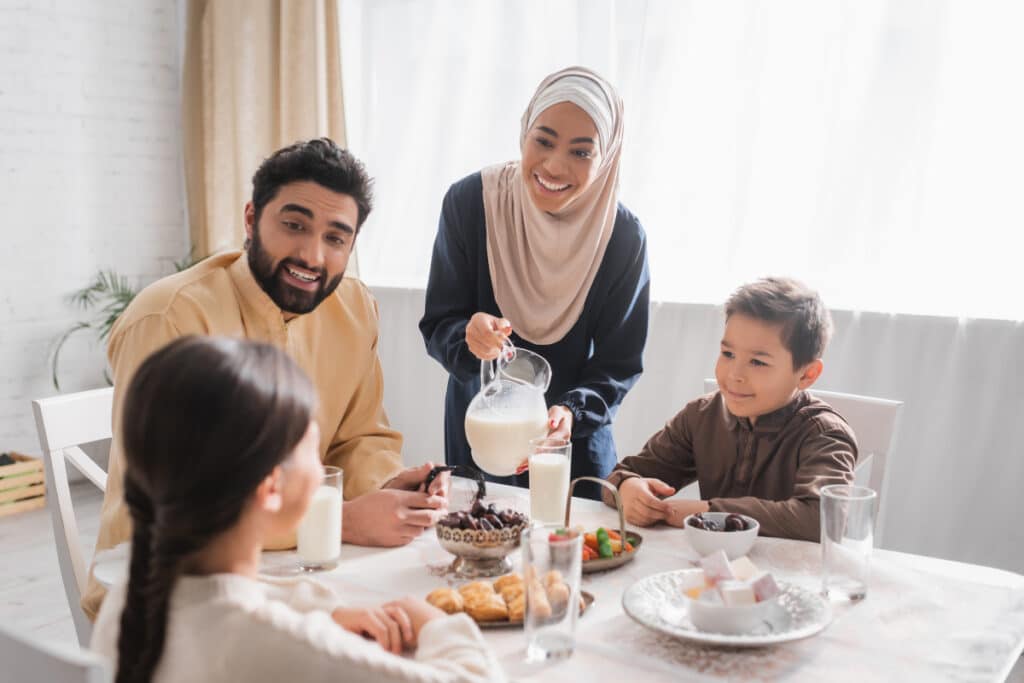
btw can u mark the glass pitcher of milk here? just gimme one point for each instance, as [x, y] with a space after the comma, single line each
[508, 411]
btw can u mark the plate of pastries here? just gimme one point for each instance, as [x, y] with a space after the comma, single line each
[502, 602]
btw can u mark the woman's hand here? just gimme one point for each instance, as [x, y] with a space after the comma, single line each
[389, 625]
[559, 427]
[485, 334]
[559, 423]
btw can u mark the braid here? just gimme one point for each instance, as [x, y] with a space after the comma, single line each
[163, 572]
[154, 569]
[133, 632]
[158, 549]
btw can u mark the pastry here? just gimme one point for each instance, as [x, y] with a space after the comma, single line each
[484, 607]
[512, 591]
[539, 603]
[447, 600]
[517, 608]
[508, 579]
[558, 595]
[552, 577]
[470, 589]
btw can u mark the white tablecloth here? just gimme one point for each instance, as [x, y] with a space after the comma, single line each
[923, 619]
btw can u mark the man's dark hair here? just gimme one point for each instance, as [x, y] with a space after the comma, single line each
[320, 161]
[806, 323]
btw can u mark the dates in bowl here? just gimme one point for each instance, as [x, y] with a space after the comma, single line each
[482, 517]
[732, 522]
[710, 531]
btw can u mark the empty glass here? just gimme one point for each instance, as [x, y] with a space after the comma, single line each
[847, 535]
[319, 533]
[551, 570]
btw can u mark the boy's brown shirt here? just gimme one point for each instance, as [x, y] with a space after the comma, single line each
[772, 471]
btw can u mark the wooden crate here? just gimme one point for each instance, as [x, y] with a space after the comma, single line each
[22, 485]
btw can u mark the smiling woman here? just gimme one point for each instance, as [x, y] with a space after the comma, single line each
[539, 251]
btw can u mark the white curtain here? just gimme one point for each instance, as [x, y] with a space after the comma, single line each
[955, 472]
[258, 75]
[874, 149]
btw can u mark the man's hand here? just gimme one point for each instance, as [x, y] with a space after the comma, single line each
[678, 510]
[485, 334]
[389, 625]
[641, 501]
[559, 423]
[413, 478]
[390, 517]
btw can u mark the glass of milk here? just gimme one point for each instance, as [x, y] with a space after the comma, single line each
[319, 534]
[550, 463]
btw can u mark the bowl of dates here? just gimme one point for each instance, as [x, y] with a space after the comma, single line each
[481, 539]
[728, 531]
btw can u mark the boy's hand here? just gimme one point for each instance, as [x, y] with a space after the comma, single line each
[679, 510]
[640, 500]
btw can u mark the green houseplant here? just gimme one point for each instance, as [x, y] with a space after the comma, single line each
[107, 295]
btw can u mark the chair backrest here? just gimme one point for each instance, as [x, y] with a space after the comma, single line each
[64, 423]
[875, 422]
[27, 661]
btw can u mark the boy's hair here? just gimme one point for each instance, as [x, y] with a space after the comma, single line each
[806, 323]
[320, 161]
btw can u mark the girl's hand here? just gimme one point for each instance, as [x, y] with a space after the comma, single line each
[389, 625]
[419, 611]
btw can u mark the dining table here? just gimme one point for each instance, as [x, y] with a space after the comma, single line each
[923, 618]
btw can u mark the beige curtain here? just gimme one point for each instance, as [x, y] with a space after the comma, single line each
[259, 75]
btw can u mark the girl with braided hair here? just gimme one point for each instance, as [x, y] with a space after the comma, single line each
[221, 449]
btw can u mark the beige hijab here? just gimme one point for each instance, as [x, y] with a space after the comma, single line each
[543, 264]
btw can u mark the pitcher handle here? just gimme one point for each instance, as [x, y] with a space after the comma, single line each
[490, 370]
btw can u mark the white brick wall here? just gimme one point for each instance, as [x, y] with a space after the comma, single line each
[90, 178]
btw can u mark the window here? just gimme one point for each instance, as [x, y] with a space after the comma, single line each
[873, 149]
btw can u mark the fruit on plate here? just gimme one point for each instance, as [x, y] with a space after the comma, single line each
[603, 544]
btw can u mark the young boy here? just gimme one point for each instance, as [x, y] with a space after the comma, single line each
[760, 445]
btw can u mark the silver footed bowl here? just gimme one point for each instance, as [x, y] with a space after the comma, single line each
[480, 553]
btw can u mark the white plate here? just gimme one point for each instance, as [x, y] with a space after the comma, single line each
[658, 603]
[111, 565]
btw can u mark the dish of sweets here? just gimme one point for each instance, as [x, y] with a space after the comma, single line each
[726, 603]
[603, 549]
[502, 602]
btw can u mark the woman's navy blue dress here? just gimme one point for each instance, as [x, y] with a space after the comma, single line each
[593, 365]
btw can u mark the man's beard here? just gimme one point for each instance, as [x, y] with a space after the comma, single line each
[289, 299]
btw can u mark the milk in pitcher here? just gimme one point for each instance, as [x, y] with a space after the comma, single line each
[501, 441]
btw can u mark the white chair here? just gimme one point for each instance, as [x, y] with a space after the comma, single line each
[29, 661]
[875, 422]
[64, 423]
